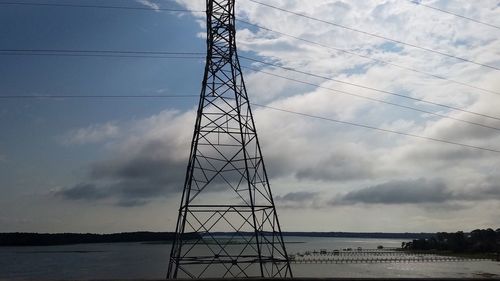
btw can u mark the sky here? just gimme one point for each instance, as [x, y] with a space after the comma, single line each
[117, 164]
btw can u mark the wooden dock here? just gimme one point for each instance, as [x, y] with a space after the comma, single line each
[373, 256]
[402, 259]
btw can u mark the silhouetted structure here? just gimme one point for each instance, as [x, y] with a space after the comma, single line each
[226, 186]
[46, 239]
[477, 241]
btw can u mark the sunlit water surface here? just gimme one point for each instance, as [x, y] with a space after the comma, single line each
[149, 261]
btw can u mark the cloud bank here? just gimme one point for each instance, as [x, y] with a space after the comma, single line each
[320, 165]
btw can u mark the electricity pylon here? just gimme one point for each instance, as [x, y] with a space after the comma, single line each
[226, 188]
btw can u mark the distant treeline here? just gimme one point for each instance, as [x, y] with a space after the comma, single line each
[476, 241]
[43, 239]
[346, 234]
[405, 235]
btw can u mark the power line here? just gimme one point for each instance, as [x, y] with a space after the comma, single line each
[101, 53]
[369, 88]
[99, 7]
[419, 3]
[376, 100]
[376, 128]
[261, 27]
[91, 96]
[275, 109]
[187, 55]
[105, 56]
[267, 5]
[375, 35]
[324, 46]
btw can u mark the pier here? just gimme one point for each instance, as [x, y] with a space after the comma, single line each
[373, 256]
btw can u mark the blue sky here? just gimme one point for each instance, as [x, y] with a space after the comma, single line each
[33, 160]
[62, 161]
[86, 29]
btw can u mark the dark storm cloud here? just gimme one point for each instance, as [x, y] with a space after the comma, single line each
[444, 156]
[301, 199]
[83, 191]
[489, 189]
[125, 193]
[400, 192]
[297, 196]
[339, 166]
[492, 191]
[152, 163]
[467, 133]
[141, 189]
[132, 180]
[424, 192]
[131, 203]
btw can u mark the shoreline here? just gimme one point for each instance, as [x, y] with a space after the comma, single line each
[14, 239]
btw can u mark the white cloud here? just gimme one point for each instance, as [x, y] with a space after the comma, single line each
[149, 3]
[92, 134]
[332, 159]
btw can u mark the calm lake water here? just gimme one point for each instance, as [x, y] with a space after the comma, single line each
[149, 261]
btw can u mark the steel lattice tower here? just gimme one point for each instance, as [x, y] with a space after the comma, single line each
[226, 187]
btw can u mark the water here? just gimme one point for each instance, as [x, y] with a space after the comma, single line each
[149, 261]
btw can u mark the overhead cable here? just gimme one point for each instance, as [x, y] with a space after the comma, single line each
[376, 128]
[324, 46]
[261, 27]
[190, 55]
[290, 112]
[100, 53]
[376, 35]
[367, 87]
[99, 7]
[92, 96]
[377, 100]
[419, 3]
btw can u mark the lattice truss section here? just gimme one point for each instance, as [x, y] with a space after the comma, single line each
[226, 187]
